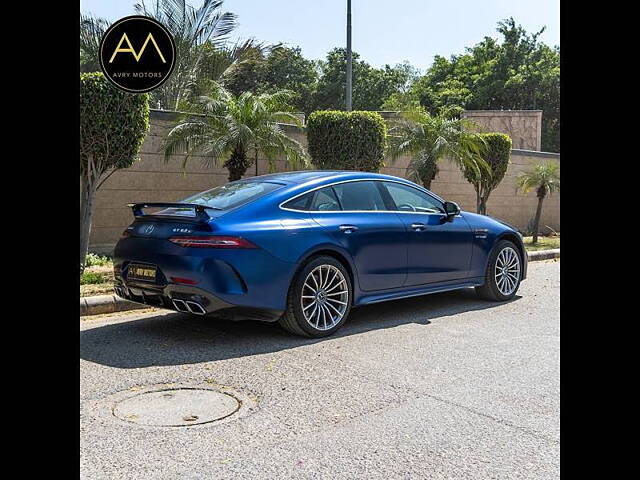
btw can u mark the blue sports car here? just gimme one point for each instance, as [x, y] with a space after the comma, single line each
[303, 248]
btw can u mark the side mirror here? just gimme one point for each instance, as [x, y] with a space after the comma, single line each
[451, 210]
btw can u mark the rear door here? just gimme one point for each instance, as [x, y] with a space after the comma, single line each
[357, 217]
[438, 250]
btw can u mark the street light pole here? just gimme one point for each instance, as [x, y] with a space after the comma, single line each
[349, 62]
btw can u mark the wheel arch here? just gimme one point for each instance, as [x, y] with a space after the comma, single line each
[330, 252]
[515, 239]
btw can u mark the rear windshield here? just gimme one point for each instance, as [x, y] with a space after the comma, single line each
[231, 195]
[225, 197]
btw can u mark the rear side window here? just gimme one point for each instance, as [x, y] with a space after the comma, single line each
[233, 195]
[324, 200]
[359, 196]
[300, 203]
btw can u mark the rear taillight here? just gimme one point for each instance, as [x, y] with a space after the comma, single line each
[125, 234]
[186, 281]
[212, 242]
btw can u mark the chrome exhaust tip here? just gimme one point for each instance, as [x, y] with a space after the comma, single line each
[195, 308]
[180, 306]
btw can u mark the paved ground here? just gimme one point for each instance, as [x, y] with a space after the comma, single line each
[443, 386]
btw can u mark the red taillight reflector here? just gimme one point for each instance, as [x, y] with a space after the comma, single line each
[186, 281]
[212, 242]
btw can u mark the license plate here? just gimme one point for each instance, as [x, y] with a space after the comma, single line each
[145, 273]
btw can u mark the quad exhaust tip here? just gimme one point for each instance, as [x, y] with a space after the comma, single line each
[180, 305]
[188, 307]
[196, 308]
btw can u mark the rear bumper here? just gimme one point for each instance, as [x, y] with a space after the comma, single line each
[182, 299]
[245, 282]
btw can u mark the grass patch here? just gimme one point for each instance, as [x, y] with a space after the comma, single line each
[97, 278]
[91, 278]
[544, 243]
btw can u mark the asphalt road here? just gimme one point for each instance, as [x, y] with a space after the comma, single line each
[442, 386]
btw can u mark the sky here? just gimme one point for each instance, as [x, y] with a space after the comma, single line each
[383, 32]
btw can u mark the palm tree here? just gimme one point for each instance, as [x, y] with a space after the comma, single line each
[234, 129]
[91, 31]
[545, 179]
[219, 62]
[196, 32]
[428, 139]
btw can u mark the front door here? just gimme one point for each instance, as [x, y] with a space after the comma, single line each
[359, 220]
[438, 250]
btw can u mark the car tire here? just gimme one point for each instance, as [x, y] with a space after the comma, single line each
[505, 261]
[319, 298]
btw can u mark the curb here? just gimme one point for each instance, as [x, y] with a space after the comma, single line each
[106, 304]
[544, 254]
[111, 303]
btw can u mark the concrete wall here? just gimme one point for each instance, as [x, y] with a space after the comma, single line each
[153, 180]
[523, 126]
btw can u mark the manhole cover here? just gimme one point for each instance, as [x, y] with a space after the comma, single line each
[176, 407]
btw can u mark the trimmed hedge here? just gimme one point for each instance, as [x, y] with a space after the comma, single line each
[340, 140]
[497, 156]
[113, 123]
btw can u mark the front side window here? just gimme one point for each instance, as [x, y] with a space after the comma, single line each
[359, 196]
[409, 199]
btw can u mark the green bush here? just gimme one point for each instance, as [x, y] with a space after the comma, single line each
[92, 278]
[113, 123]
[347, 140]
[497, 154]
[95, 260]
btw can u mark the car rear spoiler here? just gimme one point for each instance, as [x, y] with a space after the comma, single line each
[200, 210]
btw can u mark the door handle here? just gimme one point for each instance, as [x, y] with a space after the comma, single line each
[418, 226]
[347, 228]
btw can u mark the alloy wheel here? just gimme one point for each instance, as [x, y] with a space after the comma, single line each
[507, 271]
[325, 297]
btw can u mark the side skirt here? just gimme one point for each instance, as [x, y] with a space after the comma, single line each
[421, 290]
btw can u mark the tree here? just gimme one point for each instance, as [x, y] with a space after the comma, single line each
[518, 73]
[91, 31]
[191, 28]
[405, 98]
[221, 63]
[278, 68]
[545, 179]
[286, 69]
[430, 138]
[234, 129]
[371, 86]
[496, 154]
[113, 125]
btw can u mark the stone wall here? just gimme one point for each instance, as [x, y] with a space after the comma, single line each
[153, 180]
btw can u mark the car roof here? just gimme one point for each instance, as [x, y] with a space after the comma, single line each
[300, 181]
[305, 176]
